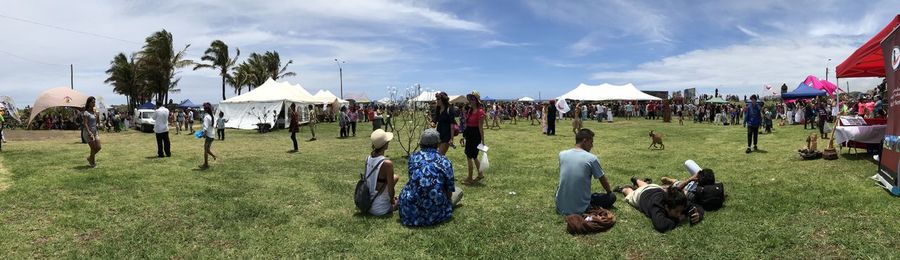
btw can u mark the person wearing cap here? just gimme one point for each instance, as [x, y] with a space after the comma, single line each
[753, 119]
[473, 135]
[381, 185]
[430, 194]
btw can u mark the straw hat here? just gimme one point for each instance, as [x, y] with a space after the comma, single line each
[380, 138]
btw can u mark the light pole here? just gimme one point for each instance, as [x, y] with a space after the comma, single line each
[827, 65]
[341, 74]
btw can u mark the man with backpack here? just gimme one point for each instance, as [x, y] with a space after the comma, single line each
[701, 188]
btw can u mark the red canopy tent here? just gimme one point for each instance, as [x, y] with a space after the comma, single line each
[867, 61]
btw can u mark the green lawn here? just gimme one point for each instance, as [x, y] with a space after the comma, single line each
[258, 200]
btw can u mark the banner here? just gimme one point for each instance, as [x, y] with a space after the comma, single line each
[890, 154]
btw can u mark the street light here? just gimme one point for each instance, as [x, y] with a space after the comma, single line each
[341, 73]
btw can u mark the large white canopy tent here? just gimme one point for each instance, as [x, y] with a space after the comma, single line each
[526, 99]
[264, 103]
[606, 92]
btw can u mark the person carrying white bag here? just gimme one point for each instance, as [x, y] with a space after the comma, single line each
[473, 137]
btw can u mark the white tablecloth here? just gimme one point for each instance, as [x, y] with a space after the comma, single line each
[870, 134]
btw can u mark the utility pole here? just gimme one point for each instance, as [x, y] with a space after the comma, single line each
[71, 76]
[341, 75]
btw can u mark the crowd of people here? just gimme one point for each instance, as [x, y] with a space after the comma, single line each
[430, 194]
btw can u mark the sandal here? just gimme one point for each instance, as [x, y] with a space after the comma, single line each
[479, 178]
[468, 182]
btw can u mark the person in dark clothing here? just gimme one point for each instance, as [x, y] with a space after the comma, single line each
[822, 112]
[810, 116]
[294, 126]
[753, 118]
[666, 208]
[551, 118]
[443, 118]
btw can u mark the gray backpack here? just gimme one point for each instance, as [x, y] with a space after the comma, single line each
[362, 197]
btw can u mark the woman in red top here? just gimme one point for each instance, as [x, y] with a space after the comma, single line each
[473, 135]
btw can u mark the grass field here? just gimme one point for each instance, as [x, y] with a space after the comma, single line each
[258, 200]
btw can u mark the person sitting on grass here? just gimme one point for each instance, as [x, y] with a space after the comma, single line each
[666, 208]
[430, 194]
[576, 168]
[381, 185]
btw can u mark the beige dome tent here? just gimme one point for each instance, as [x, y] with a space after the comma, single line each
[57, 97]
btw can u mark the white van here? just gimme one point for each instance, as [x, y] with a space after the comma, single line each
[143, 120]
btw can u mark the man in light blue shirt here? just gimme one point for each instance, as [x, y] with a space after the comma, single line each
[576, 168]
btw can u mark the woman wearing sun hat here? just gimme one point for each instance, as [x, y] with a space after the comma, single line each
[474, 135]
[381, 185]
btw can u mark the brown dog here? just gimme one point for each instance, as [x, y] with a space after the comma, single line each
[656, 141]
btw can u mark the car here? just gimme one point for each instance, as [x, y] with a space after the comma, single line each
[143, 120]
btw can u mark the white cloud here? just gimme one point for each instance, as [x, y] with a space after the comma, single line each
[748, 32]
[739, 68]
[584, 46]
[498, 43]
[647, 21]
[312, 33]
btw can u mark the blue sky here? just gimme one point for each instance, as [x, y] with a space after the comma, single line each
[504, 49]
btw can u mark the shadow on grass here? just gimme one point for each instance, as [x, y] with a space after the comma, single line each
[82, 167]
[857, 157]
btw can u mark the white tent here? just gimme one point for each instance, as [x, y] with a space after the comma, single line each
[604, 92]
[425, 96]
[7, 103]
[264, 103]
[328, 98]
[385, 101]
[526, 99]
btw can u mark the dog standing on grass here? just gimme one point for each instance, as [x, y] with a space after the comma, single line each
[656, 141]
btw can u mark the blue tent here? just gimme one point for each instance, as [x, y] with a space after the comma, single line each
[147, 105]
[803, 91]
[188, 104]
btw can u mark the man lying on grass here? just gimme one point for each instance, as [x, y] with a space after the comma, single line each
[576, 167]
[665, 207]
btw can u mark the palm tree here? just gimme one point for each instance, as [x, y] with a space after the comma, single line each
[241, 76]
[159, 62]
[217, 55]
[126, 79]
[267, 65]
[273, 66]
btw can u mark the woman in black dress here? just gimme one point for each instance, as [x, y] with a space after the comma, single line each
[443, 118]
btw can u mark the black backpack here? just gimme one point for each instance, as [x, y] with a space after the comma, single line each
[363, 196]
[710, 197]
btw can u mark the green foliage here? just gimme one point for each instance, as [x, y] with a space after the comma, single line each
[218, 57]
[258, 201]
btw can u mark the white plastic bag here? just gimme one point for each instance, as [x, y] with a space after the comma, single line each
[485, 164]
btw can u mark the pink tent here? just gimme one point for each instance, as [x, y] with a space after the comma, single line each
[825, 85]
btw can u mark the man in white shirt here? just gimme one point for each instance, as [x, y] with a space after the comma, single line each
[161, 128]
[190, 120]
